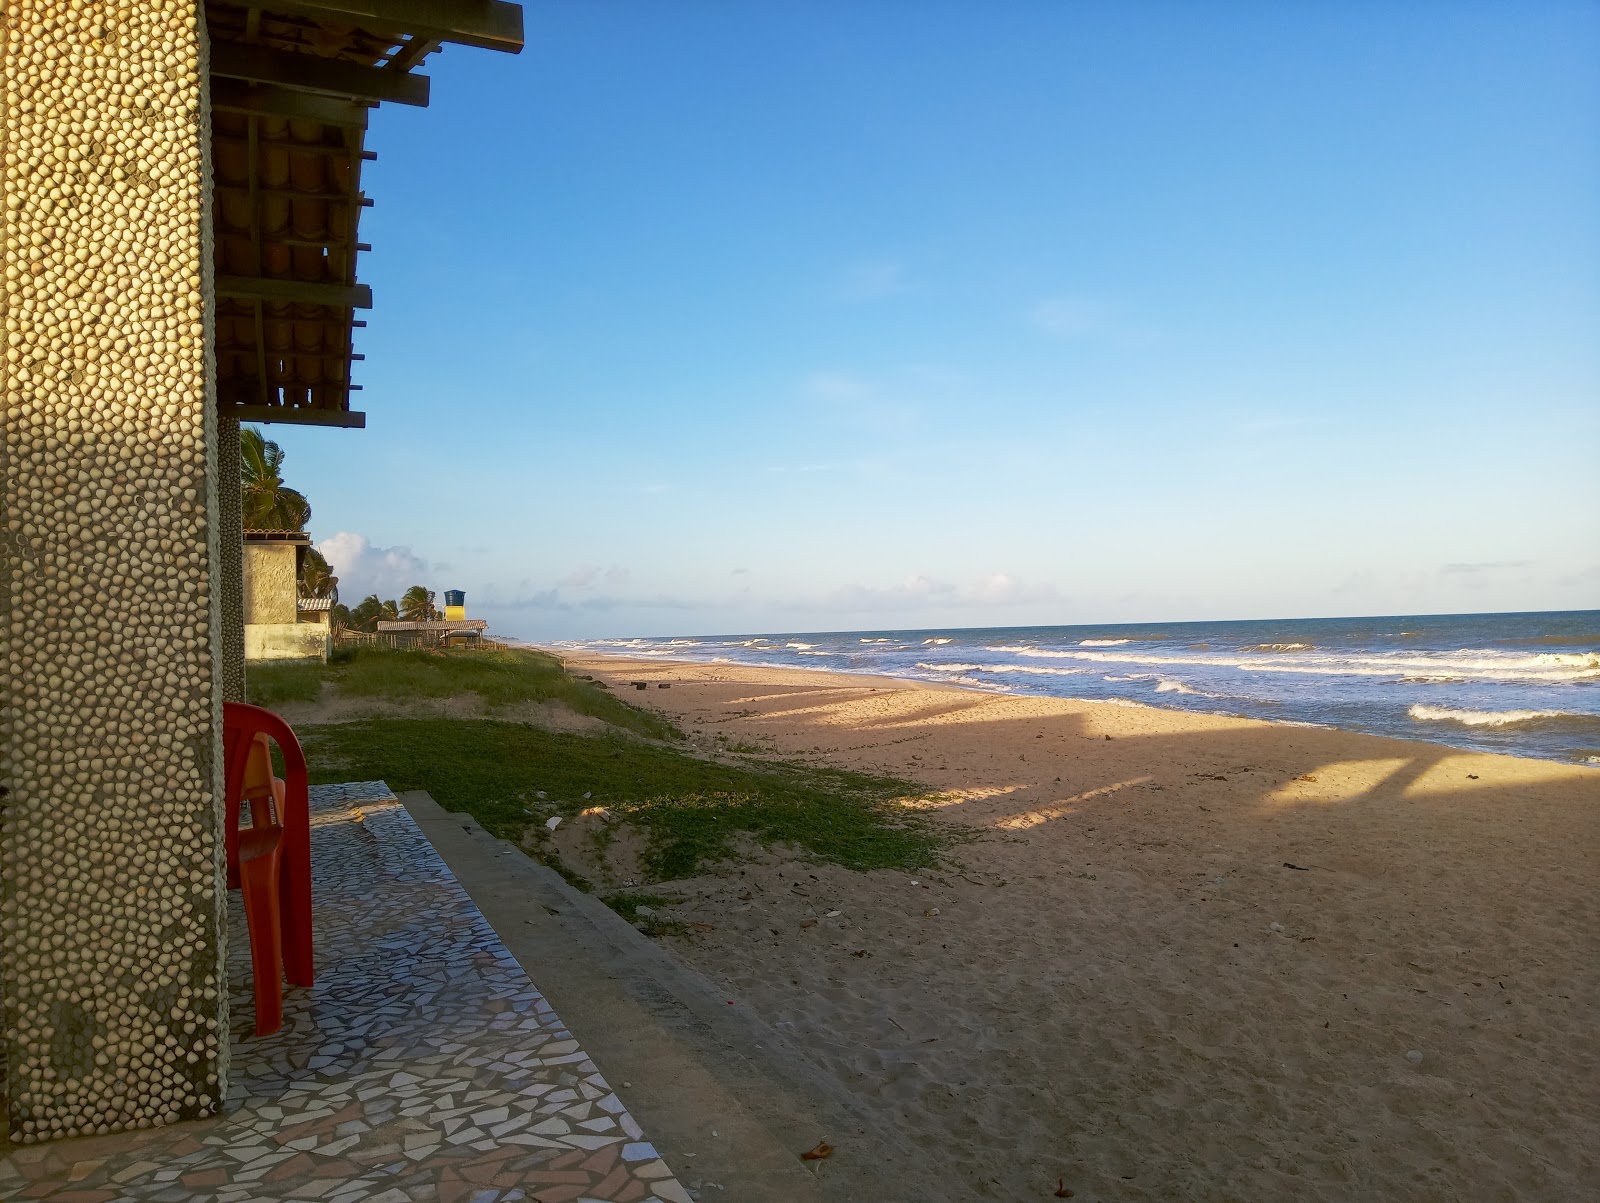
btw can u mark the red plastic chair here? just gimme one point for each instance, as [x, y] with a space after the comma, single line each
[269, 862]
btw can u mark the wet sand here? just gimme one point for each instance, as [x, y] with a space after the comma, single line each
[1187, 957]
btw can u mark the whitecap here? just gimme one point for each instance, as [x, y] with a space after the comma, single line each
[1481, 718]
[1103, 642]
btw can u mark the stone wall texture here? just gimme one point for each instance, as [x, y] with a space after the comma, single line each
[230, 571]
[111, 894]
[271, 584]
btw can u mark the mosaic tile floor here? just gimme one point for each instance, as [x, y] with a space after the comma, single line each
[423, 1067]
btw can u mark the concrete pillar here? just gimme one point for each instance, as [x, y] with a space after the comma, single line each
[230, 570]
[111, 886]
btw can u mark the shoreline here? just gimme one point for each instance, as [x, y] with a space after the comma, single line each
[1490, 683]
[1178, 955]
[887, 681]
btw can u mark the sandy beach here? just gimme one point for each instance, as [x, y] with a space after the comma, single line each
[1183, 957]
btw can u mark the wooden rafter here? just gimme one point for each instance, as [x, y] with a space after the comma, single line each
[300, 415]
[236, 96]
[489, 24]
[306, 72]
[285, 251]
[295, 292]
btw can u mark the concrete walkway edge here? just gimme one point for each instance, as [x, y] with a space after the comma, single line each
[727, 1101]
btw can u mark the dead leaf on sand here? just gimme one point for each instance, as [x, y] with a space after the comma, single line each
[1061, 1189]
[808, 923]
[822, 1152]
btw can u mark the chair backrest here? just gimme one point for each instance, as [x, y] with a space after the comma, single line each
[241, 723]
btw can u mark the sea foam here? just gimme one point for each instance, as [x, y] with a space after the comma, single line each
[1481, 718]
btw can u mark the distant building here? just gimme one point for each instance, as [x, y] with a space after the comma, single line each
[454, 630]
[278, 624]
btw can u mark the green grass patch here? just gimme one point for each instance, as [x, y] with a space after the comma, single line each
[500, 678]
[690, 810]
[627, 903]
[271, 685]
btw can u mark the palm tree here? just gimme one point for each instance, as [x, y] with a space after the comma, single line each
[364, 614]
[416, 605]
[316, 576]
[269, 504]
[388, 612]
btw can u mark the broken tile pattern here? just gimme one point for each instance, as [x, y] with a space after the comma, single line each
[423, 1066]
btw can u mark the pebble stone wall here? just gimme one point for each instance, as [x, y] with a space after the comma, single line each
[110, 866]
[230, 570]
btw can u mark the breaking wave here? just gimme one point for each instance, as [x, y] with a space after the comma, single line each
[1484, 718]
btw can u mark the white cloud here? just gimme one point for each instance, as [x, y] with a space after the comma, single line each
[577, 593]
[1069, 317]
[836, 386]
[1484, 566]
[997, 589]
[873, 279]
[593, 576]
[363, 568]
[1075, 318]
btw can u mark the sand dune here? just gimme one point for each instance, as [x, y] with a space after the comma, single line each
[1188, 956]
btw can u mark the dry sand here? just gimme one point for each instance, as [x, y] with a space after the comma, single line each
[1125, 987]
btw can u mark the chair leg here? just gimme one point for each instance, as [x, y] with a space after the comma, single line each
[295, 892]
[258, 882]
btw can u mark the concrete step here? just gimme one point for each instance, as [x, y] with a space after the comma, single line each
[727, 1101]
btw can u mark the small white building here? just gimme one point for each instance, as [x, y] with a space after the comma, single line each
[278, 624]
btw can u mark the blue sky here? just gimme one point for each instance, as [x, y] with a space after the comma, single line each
[711, 317]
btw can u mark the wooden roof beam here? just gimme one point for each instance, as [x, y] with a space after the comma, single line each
[489, 24]
[235, 96]
[299, 415]
[308, 73]
[299, 292]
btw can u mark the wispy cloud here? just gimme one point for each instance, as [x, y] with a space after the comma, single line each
[569, 599]
[1074, 318]
[915, 592]
[1069, 317]
[837, 386]
[1278, 423]
[872, 280]
[593, 576]
[1485, 566]
[781, 468]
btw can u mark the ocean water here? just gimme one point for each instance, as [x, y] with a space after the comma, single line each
[1525, 684]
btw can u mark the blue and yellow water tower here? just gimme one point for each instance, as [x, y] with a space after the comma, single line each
[455, 605]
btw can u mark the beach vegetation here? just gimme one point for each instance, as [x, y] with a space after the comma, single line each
[691, 811]
[272, 685]
[500, 678]
[417, 605]
[316, 575]
[268, 503]
[641, 910]
[366, 614]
